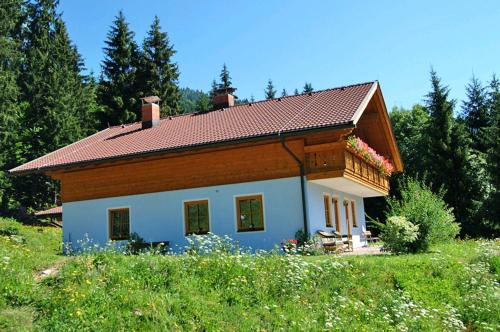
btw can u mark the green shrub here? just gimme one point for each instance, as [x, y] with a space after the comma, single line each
[9, 230]
[398, 234]
[301, 236]
[427, 210]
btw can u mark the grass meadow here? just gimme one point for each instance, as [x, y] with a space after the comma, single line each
[452, 288]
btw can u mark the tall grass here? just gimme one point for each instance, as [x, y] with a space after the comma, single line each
[24, 250]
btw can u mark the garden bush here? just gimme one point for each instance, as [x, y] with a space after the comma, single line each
[425, 209]
[398, 234]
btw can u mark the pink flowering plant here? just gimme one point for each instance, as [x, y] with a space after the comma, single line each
[369, 155]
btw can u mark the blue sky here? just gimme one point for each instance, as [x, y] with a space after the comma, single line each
[327, 43]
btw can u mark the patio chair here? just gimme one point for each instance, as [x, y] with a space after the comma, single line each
[368, 236]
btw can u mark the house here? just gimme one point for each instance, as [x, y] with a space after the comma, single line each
[258, 172]
[54, 214]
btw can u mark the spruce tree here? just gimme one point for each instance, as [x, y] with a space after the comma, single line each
[464, 181]
[307, 88]
[296, 92]
[157, 74]
[11, 20]
[204, 103]
[438, 132]
[55, 94]
[451, 165]
[284, 93]
[475, 113]
[492, 206]
[117, 91]
[270, 92]
[225, 79]
[213, 89]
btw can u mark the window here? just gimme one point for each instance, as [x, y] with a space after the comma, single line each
[353, 210]
[337, 213]
[196, 217]
[119, 224]
[328, 215]
[250, 213]
[347, 221]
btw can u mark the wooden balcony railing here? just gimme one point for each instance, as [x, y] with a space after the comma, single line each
[337, 160]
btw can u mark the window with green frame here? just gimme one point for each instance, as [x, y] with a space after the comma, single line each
[119, 224]
[250, 213]
[196, 217]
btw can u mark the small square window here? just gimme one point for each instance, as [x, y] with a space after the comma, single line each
[250, 213]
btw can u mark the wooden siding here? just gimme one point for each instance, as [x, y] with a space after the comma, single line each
[170, 172]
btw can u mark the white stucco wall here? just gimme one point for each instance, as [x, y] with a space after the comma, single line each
[160, 217]
[316, 212]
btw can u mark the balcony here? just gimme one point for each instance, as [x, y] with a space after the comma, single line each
[336, 164]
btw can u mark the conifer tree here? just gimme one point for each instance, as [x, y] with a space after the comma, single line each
[225, 79]
[157, 75]
[475, 113]
[284, 93]
[440, 110]
[492, 205]
[55, 96]
[213, 89]
[296, 92]
[464, 191]
[11, 20]
[117, 91]
[449, 159]
[307, 88]
[270, 92]
[203, 104]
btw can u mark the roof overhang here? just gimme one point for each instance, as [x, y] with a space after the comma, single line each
[190, 148]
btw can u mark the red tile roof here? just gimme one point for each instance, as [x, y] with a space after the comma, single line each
[318, 109]
[49, 212]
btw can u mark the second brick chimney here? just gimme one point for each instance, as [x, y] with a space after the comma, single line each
[223, 98]
[150, 111]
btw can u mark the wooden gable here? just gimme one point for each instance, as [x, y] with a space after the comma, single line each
[374, 127]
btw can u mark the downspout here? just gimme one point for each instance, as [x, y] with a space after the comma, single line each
[302, 177]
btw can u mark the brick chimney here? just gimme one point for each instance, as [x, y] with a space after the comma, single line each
[223, 98]
[150, 111]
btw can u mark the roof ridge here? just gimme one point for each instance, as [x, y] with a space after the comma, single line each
[306, 93]
[168, 117]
